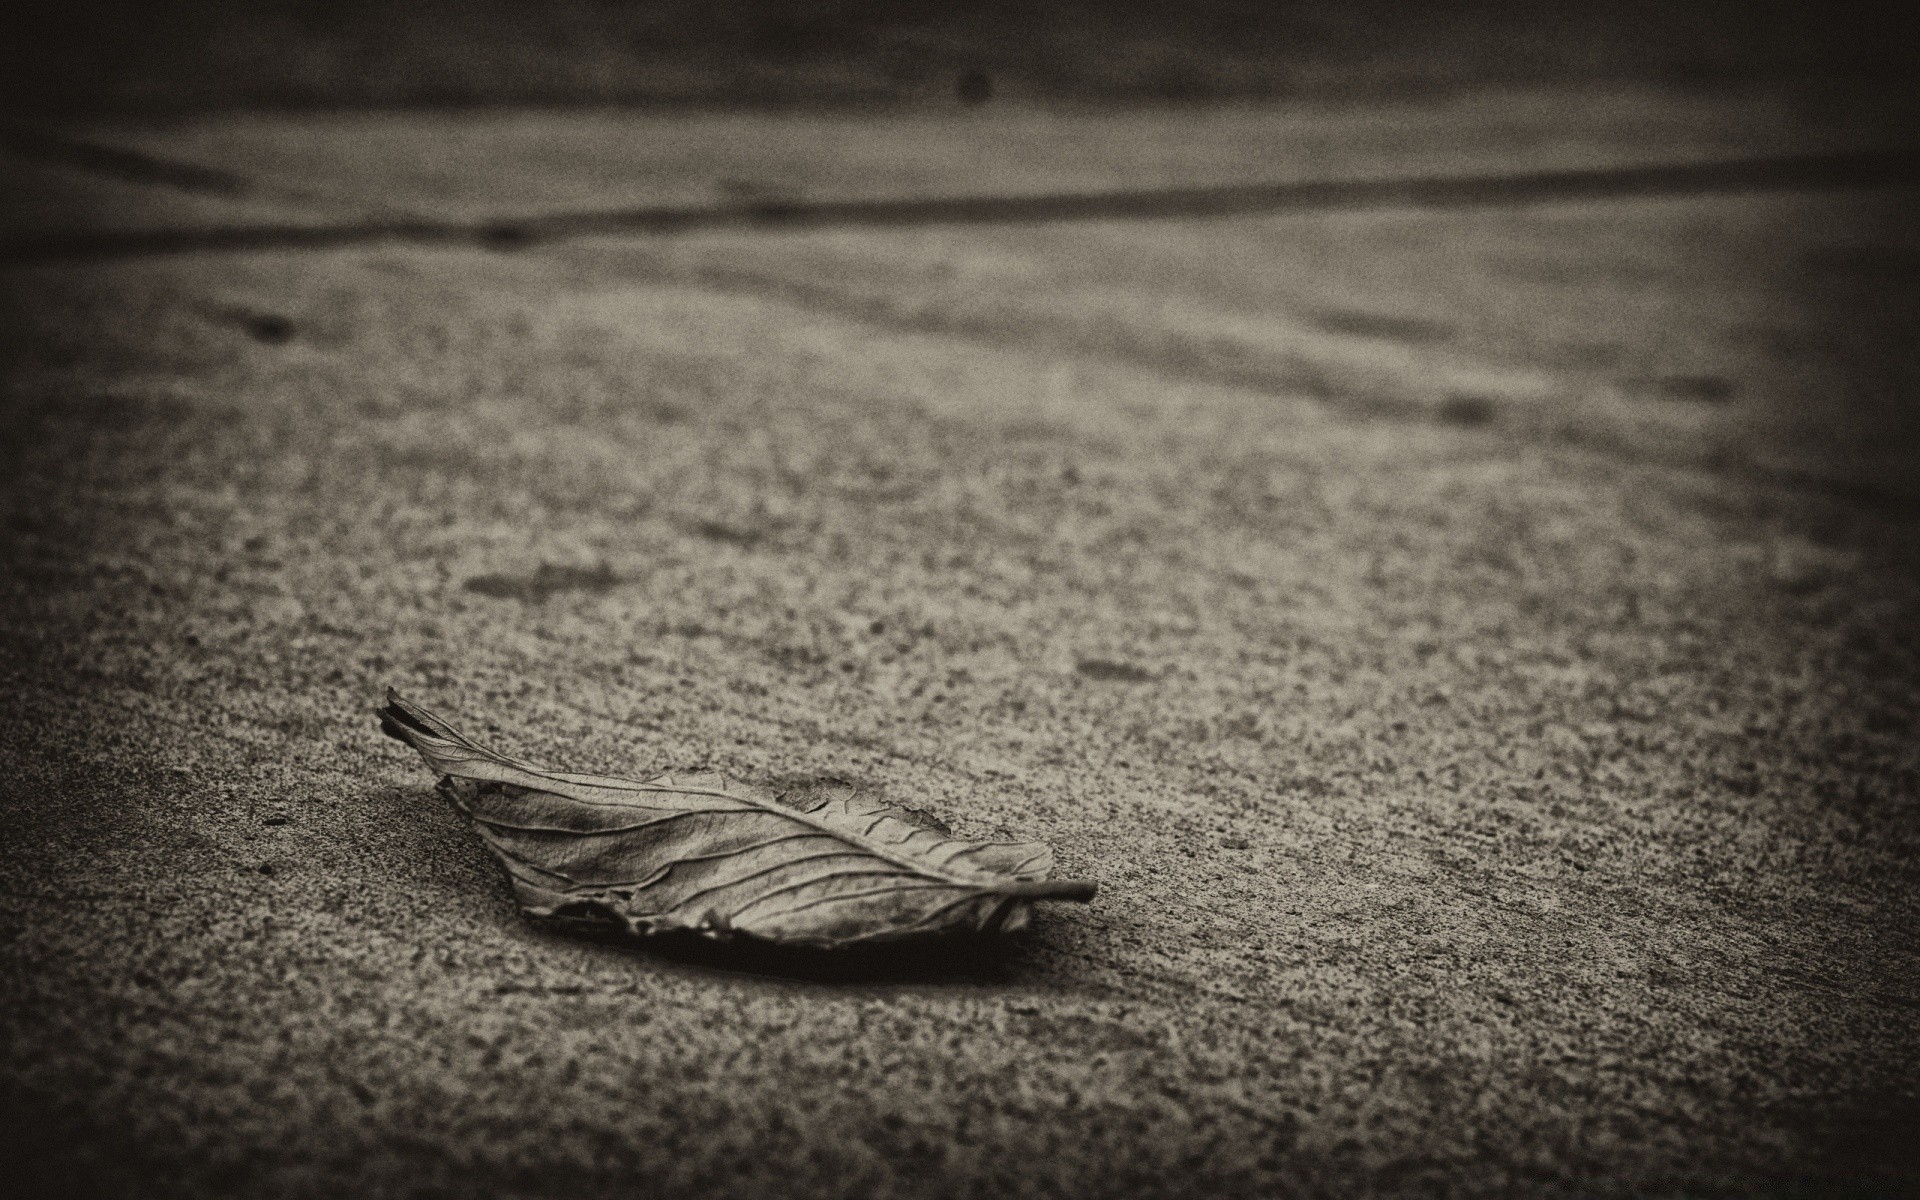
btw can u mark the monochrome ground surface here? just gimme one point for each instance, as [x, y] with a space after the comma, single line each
[1473, 647]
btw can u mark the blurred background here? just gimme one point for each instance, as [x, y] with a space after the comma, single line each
[104, 55]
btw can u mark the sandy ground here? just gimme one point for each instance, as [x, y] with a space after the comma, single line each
[1477, 652]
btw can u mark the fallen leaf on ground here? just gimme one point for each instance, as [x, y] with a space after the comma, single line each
[704, 854]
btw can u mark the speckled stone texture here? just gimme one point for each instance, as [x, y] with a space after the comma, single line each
[1475, 652]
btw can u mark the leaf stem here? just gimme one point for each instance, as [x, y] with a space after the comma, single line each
[1049, 889]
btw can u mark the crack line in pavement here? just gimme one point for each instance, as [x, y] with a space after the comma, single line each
[130, 166]
[390, 224]
[1861, 169]
[140, 168]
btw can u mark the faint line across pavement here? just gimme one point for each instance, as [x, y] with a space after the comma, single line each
[1857, 170]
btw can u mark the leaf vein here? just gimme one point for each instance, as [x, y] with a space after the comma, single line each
[931, 885]
[782, 890]
[779, 866]
[674, 816]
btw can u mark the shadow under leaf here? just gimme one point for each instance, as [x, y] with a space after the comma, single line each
[956, 958]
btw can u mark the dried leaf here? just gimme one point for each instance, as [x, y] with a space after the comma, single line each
[704, 854]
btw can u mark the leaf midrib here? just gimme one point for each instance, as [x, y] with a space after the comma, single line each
[864, 844]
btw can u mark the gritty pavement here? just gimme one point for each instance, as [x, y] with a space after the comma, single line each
[1476, 651]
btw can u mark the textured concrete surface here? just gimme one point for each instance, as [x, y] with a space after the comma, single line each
[1475, 652]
